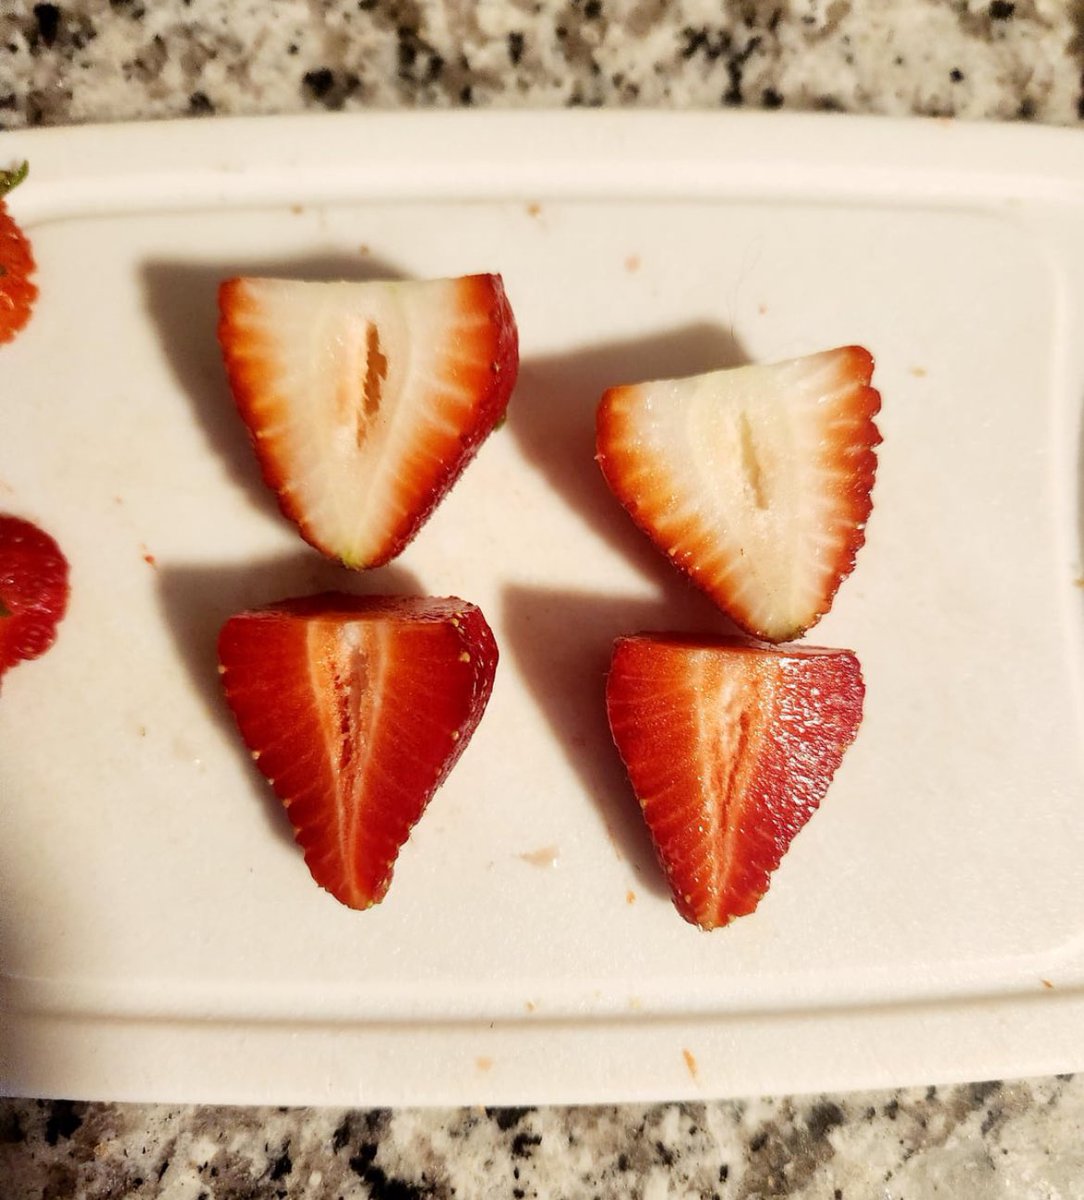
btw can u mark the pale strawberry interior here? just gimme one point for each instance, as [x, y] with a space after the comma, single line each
[365, 395]
[744, 483]
[346, 668]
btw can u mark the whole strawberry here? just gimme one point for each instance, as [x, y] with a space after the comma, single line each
[17, 290]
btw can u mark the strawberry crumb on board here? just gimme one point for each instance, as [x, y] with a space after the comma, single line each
[735, 476]
[632, 263]
[544, 856]
[630, 897]
[435, 360]
[484, 1063]
[148, 557]
[1046, 983]
[691, 1064]
[730, 748]
[534, 209]
[34, 591]
[364, 667]
[919, 372]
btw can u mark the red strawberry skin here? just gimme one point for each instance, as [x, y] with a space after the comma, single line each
[480, 363]
[17, 288]
[33, 590]
[730, 747]
[356, 709]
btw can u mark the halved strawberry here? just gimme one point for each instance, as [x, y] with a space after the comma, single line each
[365, 401]
[730, 747]
[754, 481]
[355, 708]
[33, 590]
[17, 289]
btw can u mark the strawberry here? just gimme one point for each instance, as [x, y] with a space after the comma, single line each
[755, 481]
[355, 709]
[33, 590]
[365, 401]
[730, 747]
[17, 290]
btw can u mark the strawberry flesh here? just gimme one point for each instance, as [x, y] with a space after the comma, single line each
[33, 590]
[17, 289]
[755, 482]
[366, 401]
[730, 748]
[355, 709]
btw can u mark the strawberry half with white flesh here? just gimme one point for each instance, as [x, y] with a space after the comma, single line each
[365, 401]
[730, 748]
[33, 590]
[754, 481]
[355, 709]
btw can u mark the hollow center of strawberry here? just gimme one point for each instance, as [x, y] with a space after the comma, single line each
[4, 610]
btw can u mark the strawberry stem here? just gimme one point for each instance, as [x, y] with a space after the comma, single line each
[12, 179]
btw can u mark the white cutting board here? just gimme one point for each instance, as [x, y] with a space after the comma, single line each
[160, 937]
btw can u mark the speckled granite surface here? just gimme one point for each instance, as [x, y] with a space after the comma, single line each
[95, 60]
[108, 59]
[989, 1140]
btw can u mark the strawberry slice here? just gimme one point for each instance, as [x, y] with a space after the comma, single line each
[730, 748]
[17, 289]
[365, 401]
[355, 709]
[33, 590]
[755, 481]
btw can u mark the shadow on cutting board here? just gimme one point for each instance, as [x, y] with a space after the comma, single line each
[552, 415]
[196, 599]
[181, 300]
[560, 641]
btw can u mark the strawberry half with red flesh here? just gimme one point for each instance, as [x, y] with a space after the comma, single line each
[754, 481]
[33, 590]
[365, 401]
[356, 709]
[730, 747]
[17, 289]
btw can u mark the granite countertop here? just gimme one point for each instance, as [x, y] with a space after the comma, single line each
[105, 60]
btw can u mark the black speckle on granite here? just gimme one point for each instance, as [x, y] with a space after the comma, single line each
[283, 1164]
[48, 19]
[1001, 10]
[341, 1135]
[507, 1118]
[199, 104]
[65, 1119]
[12, 1131]
[735, 70]
[515, 47]
[523, 1144]
[770, 98]
[823, 1118]
[664, 1154]
[319, 82]
[956, 75]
